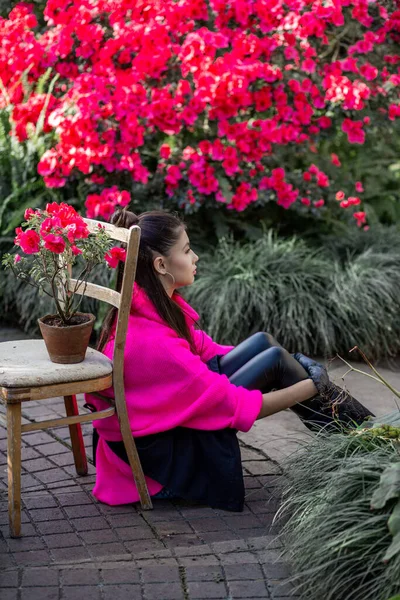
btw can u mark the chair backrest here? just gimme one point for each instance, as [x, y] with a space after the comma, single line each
[121, 300]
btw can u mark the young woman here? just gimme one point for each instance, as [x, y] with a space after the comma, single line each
[187, 395]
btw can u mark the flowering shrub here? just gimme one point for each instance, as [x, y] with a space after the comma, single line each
[201, 96]
[52, 241]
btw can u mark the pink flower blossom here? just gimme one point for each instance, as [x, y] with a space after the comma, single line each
[319, 203]
[165, 151]
[205, 74]
[54, 243]
[114, 256]
[360, 217]
[28, 241]
[354, 130]
[354, 200]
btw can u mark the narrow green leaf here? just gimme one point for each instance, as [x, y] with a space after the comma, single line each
[393, 549]
[389, 486]
[394, 520]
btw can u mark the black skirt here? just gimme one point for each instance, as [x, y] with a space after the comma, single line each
[201, 466]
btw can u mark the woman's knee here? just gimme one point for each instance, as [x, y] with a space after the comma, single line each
[286, 369]
[264, 340]
[276, 356]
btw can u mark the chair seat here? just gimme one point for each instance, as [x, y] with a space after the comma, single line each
[26, 363]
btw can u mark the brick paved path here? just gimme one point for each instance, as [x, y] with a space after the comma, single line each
[76, 548]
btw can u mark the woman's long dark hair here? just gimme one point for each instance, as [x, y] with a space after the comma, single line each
[160, 230]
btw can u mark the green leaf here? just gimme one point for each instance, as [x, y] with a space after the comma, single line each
[393, 549]
[394, 528]
[226, 187]
[394, 520]
[389, 486]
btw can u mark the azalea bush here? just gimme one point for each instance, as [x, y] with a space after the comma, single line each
[51, 242]
[205, 105]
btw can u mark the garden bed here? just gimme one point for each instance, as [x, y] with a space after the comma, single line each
[342, 511]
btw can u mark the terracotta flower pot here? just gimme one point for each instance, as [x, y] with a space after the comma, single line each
[67, 344]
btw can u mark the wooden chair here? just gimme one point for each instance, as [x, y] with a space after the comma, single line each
[26, 373]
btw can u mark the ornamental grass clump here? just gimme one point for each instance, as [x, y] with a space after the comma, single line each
[306, 298]
[52, 242]
[341, 500]
[263, 285]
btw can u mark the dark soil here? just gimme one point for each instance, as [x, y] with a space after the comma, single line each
[56, 321]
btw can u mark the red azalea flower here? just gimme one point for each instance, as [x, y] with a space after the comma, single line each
[28, 241]
[354, 200]
[361, 218]
[127, 81]
[165, 151]
[115, 255]
[28, 214]
[319, 203]
[75, 250]
[54, 243]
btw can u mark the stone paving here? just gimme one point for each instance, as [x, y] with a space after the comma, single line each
[73, 547]
[76, 548]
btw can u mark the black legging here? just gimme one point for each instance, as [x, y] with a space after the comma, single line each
[260, 363]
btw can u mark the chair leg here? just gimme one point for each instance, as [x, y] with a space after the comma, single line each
[14, 467]
[136, 466]
[75, 431]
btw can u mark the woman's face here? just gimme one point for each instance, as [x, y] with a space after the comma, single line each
[180, 263]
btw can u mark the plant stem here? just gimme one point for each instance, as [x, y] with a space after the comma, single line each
[30, 281]
[378, 376]
[55, 290]
[357, 371]
[75, 309]
[383, 380]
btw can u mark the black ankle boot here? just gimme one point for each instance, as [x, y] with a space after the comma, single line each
[344, 407]
[331, 410]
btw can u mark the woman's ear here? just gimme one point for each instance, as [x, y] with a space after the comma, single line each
[159, 266]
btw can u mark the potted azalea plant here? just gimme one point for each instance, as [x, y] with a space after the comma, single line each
[49, 244]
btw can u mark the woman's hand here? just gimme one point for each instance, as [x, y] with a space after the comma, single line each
[316, 371]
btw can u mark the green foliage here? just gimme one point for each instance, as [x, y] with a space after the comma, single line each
[387, 490]
[352, 243]
[376, 164]
[341, 548]
[308, 299]
[22, 306]
[20, 185]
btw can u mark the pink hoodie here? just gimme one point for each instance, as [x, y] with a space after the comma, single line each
[166, 386]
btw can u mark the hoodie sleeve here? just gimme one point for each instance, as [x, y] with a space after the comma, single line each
[206, 347]
[184, 392]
